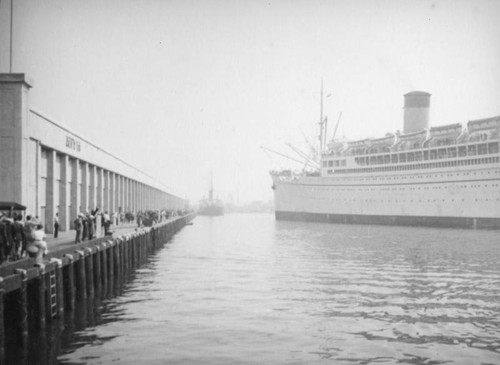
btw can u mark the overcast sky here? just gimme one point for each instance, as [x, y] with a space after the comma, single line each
[180, 88]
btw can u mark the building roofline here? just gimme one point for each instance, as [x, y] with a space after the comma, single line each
[86, 140]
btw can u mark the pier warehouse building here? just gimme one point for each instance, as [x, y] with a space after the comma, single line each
[49, 169]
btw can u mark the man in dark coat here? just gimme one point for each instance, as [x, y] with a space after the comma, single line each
[3, 240]
[18, 236]
[90, 226]
[85, 227]
[56, 225]
[78, 224]
[9, 247]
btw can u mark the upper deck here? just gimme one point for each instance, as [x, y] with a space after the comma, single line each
[437, 147]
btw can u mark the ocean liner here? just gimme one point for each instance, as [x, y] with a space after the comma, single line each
[445, 176]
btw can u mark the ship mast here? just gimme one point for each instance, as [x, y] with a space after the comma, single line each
[323, 123]
[211, 190]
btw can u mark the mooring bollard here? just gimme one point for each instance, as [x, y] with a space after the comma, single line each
[81, 290]
[59, 286]
[69, 283]
[23, 308]
[89, 271]
[40, 305]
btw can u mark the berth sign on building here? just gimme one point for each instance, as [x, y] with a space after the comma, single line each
[72, 143]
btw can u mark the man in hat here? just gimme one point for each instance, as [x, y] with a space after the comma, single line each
[78, 227]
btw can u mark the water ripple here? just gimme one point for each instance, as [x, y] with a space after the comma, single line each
[245, 289]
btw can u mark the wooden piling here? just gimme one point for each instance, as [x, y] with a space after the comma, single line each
[119, 244]
[23, 309]
[134, 252]
[104, 268]
[89, 271]
[40, 300]
[2, 323]
[131, 244]
[128, 254]
[126, 265]
[69, 283]
[97, 271]
[151, 244]
[111, 279]
[59, 286]
[123, 256]
[81, 281]
[138, 251]
[147, 244]
[143, 249]
[116, 266]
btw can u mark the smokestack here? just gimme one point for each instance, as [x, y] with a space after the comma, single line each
[416, 116]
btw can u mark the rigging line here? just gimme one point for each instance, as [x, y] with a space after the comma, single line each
[311, 146]
[336, 126]
[282, 155]
[303, 155]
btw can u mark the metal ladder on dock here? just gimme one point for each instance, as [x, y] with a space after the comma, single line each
[53, 293]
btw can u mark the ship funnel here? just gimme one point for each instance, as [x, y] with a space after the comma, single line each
[416, 115]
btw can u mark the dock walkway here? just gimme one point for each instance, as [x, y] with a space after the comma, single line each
[65, 243]
[68, 238]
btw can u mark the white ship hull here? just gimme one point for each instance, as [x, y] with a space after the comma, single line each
[461, 196]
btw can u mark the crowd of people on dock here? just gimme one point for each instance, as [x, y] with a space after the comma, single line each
[87, 224]
[23, 235]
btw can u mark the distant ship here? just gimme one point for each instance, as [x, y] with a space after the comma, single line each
[211, 206]
[446, 176]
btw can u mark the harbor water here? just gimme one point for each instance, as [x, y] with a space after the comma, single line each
[246, 289]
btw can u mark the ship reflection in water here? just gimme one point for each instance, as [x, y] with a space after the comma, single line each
[249, 290]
